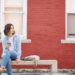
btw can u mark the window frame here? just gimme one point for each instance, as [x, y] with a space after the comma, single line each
[67, 11]
[24, 26]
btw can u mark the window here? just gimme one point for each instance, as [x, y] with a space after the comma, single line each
[15, 12]
[70, 22]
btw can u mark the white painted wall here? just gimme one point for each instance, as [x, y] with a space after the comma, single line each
[14, 3]
[13, 13]
[16, 20]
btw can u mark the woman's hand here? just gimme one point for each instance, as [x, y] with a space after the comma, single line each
[17, 60]
[8, 45]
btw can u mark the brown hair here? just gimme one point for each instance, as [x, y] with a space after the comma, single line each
[7, 28]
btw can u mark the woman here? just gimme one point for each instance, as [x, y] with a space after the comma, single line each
[11, 44]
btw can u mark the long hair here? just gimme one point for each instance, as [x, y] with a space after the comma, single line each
[7, 28]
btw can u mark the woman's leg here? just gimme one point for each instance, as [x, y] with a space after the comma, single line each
[13, 56]
[9, 68]
[6, 61]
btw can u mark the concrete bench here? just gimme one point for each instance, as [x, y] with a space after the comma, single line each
[53, 64]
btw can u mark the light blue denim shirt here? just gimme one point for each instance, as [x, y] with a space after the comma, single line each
[17, 45]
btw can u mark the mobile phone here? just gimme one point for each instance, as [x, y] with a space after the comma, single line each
[9, 43]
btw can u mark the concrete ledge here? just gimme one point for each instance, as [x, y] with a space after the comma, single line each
[23, 41]
[41, 70]
[64, 41]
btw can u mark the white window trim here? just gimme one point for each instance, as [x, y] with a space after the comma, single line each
[67, 40]
[24, 27]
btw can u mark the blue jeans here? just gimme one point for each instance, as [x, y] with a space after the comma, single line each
[6, 61]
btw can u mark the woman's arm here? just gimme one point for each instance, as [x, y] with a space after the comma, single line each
[18, 47]
[4, 49]
[3, 44]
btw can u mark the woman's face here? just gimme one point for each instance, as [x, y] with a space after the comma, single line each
[12, 30]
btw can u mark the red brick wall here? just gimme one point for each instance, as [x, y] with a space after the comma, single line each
[46, 28]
